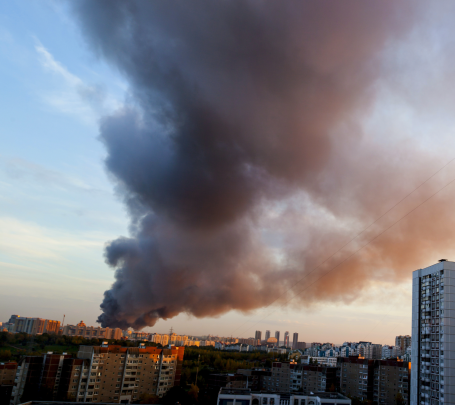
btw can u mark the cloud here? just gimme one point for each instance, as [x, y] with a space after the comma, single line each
[71, 94]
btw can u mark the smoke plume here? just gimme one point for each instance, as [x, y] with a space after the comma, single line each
[243, 155]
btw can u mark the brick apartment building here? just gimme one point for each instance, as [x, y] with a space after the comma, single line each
[106, 373]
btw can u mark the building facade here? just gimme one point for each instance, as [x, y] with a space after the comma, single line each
[127, 373]
[277, 336]
[228, 396]
[433, 335]
[105, 373]
[403, 342]
[89, 332]
[295, 340]
[356, 377]
[391, 378]
[280, 379]
[35, 326]
[286, 339]
[258, 335]
[318, 378]
[7, 376]
[38, 378]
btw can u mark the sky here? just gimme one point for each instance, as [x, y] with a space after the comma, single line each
[67, 97]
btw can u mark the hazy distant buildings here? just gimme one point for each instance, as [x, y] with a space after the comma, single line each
[277, 336]
[389, 352]
[403, 342]
[300, 346]
[258, 335]
[433, 335]
[267, 335]
[89, 332]
[295, 340]
[34, 326]
[286, 339]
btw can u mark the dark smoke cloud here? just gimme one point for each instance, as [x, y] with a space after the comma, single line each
[240, 155]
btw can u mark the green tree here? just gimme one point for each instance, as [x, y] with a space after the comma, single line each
[5, 355]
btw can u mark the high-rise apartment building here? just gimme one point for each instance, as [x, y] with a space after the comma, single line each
[356, 377]
[280, 380]
[122, 374]
[161, 339]
[277, 337]
[34, 326]
[286, 339]
[433, 335]
[391, 378]
[403, 342]
[267, 335]
[105, 373]
[295, 340]
[39, 378]
[258, 335]
[318, 378]
[373, 351]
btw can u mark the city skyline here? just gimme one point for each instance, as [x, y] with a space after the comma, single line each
[61, 207]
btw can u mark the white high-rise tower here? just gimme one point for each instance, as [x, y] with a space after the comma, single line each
[433, 335]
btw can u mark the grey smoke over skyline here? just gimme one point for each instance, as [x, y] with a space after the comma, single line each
[242, 157]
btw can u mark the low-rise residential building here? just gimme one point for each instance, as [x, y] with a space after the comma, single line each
[247, 397]
[324, 361]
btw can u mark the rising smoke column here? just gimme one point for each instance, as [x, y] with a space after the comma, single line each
[242, 119]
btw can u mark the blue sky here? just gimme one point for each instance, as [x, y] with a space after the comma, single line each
[58, 207]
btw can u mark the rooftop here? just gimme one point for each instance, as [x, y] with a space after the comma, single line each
[247, 391]
[60, 403]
